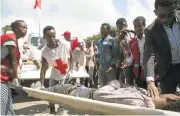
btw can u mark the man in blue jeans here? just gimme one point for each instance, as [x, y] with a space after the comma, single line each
[107, 55]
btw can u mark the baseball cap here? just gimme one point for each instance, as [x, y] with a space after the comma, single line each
[66, 33]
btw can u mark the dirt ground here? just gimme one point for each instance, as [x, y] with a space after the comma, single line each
[25, 105]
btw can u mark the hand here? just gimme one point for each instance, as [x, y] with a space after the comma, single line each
[15, 82]
[110, 68]
[125, 65]
[152, 90]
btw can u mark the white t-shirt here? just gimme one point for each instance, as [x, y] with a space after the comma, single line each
[141, 48]
[63, 52]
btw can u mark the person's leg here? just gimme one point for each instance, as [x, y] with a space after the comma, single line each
[95, 76]
[6, 100]
[117, 73]
[102, 79]
[170, 81]
[91, 79]
[52, 83]
[129, 75]
[141, 83]
[111, 75]
[87, 79]
[121, 77]
[76, 57]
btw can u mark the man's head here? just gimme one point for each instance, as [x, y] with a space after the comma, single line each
[88, 44]
[121, 23]
[165, 11]
[105, 29]
[113, 33]
[67, 35]
[50, 35]
[139, 25]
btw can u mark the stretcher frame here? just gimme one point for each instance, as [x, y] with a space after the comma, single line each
[93, 106]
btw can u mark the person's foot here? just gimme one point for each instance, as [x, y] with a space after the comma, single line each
[32, 86]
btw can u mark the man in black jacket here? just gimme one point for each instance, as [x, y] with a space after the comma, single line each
[163, 40]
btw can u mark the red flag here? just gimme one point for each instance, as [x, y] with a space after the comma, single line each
[37, 4]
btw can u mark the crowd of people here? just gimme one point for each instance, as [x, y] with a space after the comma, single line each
[147, 57]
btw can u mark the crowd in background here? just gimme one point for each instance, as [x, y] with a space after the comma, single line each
[147, 57]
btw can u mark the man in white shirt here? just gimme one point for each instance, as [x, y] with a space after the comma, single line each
[163, 40]
[58, 56]
[139, 26]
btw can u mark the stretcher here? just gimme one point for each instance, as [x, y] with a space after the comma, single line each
[93, 106]
[30, 72]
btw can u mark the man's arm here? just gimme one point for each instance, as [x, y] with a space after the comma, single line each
[149, 57]
[13, 60]
[44, 68]
[128, 58]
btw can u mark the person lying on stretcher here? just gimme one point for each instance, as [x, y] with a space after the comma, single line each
[114, 92]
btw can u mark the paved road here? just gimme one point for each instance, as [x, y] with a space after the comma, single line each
[24, 105]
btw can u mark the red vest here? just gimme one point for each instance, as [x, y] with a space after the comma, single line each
[74, 43]
[6, 62]
[136, 58]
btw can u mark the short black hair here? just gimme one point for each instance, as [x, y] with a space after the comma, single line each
[120, 21]
[47, 28]
[107, 25]
[15, 24]
[164, 3]
[140, 18]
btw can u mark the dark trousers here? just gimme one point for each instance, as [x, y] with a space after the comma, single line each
[128, 75]
[87, 81]
[118, 73]
[170, 81]
[141, 82]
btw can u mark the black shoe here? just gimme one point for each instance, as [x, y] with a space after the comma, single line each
[52, 109]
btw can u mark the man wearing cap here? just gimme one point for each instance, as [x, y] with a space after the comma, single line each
[67, 35]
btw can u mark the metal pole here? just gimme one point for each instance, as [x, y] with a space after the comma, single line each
[39, 16]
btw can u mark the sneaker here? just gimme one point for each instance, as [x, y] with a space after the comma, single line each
[32, 86]
[37, 85]
[177, 89]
